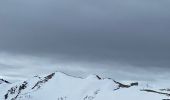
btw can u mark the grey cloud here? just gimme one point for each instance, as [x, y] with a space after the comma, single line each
[133, 32]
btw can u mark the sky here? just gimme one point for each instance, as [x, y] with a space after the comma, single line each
[121, 39]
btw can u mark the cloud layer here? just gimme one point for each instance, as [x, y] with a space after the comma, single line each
[126, 32]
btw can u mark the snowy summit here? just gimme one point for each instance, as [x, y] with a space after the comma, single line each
[60, 86]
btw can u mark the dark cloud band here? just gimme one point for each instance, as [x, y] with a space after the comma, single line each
[134, 32]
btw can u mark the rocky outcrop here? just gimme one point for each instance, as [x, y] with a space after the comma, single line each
[4, 81]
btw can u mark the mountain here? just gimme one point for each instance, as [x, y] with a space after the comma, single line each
[60, 86]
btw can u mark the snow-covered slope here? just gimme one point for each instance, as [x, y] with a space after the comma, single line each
[60, 86]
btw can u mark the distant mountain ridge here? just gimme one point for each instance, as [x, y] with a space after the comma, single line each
[61, 86]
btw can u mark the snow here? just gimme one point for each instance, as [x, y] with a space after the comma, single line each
[60, 86]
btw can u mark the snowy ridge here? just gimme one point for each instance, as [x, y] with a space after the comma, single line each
[60, 86]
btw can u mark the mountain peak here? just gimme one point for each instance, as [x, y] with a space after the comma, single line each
[61, 86]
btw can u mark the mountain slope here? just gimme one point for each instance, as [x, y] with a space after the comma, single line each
[60, 86]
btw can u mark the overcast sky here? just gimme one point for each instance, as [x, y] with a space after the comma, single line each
[115, 37]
